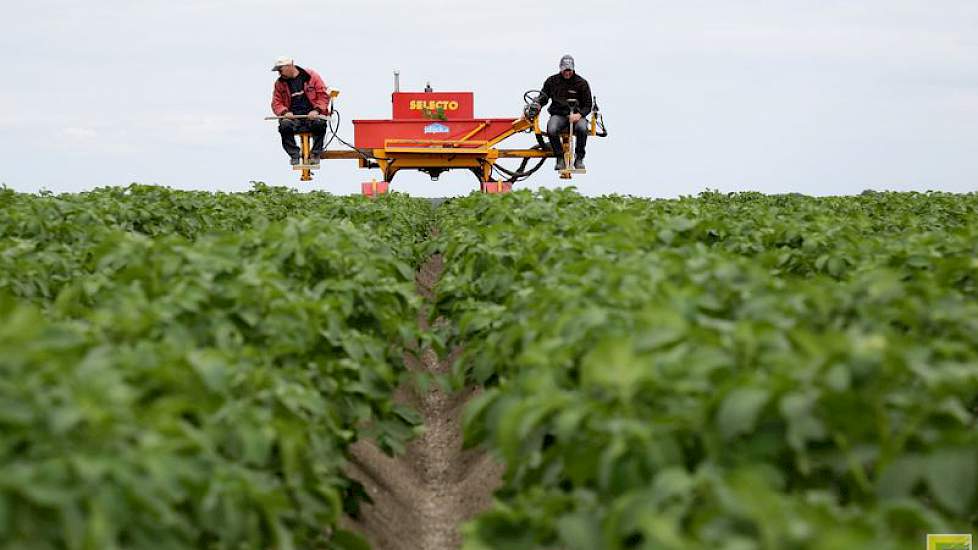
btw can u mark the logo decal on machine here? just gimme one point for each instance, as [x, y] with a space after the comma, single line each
[421, 105]
[436, 128]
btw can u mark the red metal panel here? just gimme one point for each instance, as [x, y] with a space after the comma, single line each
[372, 188]
[371, 134]
[412, 105]
[496, 187]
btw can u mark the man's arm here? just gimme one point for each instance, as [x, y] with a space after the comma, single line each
[546, 92]
[321, 100]
[278, 106]
[587, 101]
[533, 109]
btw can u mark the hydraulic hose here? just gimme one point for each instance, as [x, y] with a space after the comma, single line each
[368, 155]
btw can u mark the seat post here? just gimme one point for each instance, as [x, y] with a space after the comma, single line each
[567, 142]
[304, 138]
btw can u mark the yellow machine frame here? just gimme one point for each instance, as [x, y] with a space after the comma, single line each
[477, 155]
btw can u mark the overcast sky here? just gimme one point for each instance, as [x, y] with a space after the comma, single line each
[819, 97]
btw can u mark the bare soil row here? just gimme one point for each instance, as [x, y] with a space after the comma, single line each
[421, 497]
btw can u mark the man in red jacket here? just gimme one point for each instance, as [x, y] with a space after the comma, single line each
[300, 91]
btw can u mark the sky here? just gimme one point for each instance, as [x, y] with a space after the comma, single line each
[819, 97]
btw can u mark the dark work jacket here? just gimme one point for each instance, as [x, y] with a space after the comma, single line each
[558, 90]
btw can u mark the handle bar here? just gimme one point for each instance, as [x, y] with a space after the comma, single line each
[317, 117]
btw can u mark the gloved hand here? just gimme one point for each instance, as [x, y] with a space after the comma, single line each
[532, 110]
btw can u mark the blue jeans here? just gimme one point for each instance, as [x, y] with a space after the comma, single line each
[559, 123]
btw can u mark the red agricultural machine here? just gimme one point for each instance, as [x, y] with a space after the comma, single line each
[433, 132]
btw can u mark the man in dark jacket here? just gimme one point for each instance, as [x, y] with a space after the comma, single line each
[557, 89]
[300, 91]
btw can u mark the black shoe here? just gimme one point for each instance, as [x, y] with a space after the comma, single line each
[561, 165]
[578, 164]
[295, 161]
[314, 159]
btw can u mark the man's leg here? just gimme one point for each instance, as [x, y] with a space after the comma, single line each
[318, 129]
[288, 128]
[581, 131]
[555, 125]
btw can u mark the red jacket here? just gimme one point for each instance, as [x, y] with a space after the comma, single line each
[315, 90]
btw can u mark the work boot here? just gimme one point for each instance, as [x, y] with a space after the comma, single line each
[295, 161]
[314, 159]
[561, 165]
[578, 163]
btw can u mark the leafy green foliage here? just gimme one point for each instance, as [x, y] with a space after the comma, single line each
[731, 371]
[185, 370]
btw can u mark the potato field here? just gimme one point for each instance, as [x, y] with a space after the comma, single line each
[193, 370]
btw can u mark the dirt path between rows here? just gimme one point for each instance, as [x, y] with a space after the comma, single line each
[421, 497]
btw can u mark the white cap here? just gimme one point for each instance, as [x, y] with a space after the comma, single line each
[282, 62]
